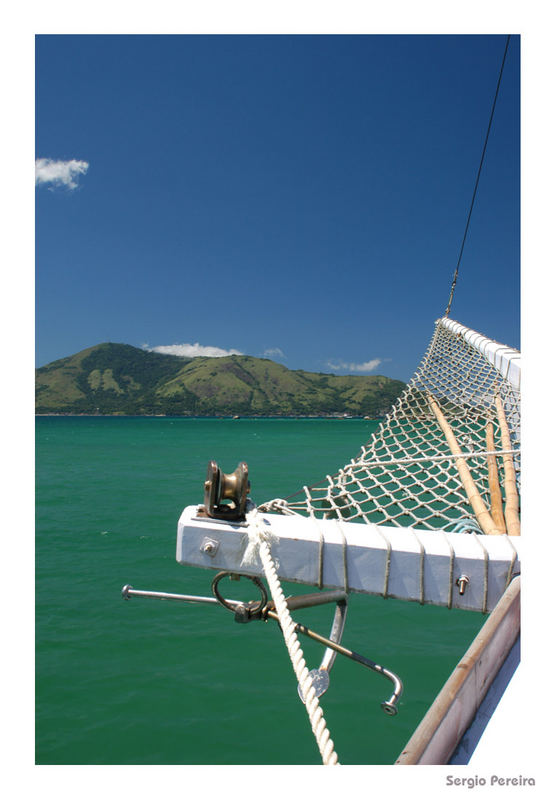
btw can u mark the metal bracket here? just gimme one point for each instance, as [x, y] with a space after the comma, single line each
[263, 610]
[320, 677]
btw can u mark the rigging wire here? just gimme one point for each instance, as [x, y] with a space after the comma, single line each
[455, 276]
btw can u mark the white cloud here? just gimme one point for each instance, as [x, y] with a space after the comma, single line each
[273, 351]
[366, 366]
[59, 173]
[192, 350]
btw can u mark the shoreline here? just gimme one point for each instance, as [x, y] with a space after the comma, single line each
[215, 416]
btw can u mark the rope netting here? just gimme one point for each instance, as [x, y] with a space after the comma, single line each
[406, 474]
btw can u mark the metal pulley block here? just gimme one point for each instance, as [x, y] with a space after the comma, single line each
[220, 487]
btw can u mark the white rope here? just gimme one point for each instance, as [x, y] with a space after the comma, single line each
[278, 504]
[365, 463]
[260, 536]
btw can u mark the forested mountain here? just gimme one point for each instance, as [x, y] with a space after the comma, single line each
[121, 379]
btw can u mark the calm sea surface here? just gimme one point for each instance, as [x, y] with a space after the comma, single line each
[153, 682]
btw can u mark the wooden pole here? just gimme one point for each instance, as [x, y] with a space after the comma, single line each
[493, 479]
[511, 493]
[483, 516]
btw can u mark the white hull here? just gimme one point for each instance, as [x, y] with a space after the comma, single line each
[456, 707]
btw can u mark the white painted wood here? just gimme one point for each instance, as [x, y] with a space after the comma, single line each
[296, 548]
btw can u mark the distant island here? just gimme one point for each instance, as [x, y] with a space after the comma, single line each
[118, 379]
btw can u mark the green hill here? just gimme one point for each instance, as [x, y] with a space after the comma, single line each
[121, 379]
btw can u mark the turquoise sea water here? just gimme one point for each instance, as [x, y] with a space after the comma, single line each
[154, 682]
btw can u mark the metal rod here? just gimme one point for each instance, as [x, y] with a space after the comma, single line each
[301, 601]
[129, 591]
[337, 629]
[320, 677]
[315, 599]
[390, 705]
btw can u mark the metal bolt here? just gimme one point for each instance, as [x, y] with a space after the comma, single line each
[209, 546]
[462, 583]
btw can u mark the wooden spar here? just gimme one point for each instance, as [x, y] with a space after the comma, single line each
[511, 493]
[480, 509]
[493, 479]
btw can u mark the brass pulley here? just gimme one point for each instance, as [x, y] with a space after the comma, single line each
[220, 487]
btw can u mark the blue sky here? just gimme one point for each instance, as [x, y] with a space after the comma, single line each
[301, 197]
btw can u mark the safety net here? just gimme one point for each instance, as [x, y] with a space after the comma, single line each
[458, 416]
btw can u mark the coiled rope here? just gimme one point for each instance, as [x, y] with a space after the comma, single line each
[259, 537]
